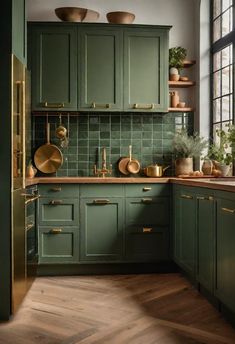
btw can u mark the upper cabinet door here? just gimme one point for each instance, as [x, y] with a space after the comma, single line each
[146, 70]
[100, 72]
[53, 52]
[19, 30]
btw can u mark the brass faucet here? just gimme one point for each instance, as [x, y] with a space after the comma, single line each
[104, 170]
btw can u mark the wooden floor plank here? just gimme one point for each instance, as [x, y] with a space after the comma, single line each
[119, 309]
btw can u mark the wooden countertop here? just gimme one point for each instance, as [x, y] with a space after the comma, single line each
[217, 184]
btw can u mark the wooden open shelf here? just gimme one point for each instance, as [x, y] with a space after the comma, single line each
[189, 63]
[182, 84]
[185, 109]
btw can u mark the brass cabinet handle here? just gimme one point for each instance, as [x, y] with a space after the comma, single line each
[143, 106]
[32, 199]
[227, 210]
[147, 229]
[56, 202]
[146, 200]
[147, 189]
[210, 198]
[94, 105]
[56, 231]
[56, 189]
[53, 105]
[101, 201]
[186, 196]
[29, 226]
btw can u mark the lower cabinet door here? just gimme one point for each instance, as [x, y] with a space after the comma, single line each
[58, 244]
[146, 244]
[101, 229]
[225, 275]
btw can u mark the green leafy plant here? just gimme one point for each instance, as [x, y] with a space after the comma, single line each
[185, 146]
[224, 151]
[176, 57]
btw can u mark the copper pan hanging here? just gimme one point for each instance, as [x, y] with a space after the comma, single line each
[48, 158]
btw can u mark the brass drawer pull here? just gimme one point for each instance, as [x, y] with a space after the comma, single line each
[101, 201]
[56, 189]
[147, 229]
[144, 106]
[186, 196]
[53, 105]
[56, 231]
[32, 199]
[94, 105]
[147, 200]
[227, 210]
[147, 189]
[29, 226]
[56, 202]
[210, 198]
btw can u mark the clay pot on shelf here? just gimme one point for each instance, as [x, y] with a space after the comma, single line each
[174, 77]
[183, 166]
[174, 99]
[181, 105]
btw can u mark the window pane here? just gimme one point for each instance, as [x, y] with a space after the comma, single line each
[216, 110]
[226, 4]
[216, 127]
[226, 24]
[226, 56]
[216, 29]
[216, 8]
[217, 84]
[225, 109]
[225, 80]
[231, 108]
[217, 61]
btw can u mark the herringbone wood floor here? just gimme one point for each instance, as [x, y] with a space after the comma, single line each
[119, 309]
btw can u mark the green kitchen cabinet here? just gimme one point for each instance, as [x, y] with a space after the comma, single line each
[146, 69]
[206, 239]
[184, 250]
[58, 244]
[58, 212]
[225, 252]
[100, 69]
[53, 63]
[19, 28]
[101, 235]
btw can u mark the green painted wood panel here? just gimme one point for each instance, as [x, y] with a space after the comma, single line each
[225, 253]
[147, 211]
[146, 246]
[19, 36]
[61, 212]
[59, 190]
[146, 69]
[100, 62]
[101, 190]
[206, 241]
[146, 190]
[62, 247]
[53, 56]
[101, 230]
[185, 229]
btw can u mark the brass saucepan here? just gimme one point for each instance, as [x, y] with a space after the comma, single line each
[155, 171]
[48, 157]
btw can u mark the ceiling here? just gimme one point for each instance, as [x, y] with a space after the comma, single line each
[145, 10]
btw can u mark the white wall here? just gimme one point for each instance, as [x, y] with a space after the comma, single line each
[179, 13]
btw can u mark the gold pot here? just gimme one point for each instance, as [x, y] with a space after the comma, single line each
[155, 171]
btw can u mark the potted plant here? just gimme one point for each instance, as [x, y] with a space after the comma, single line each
[185, 148]
[176, 61]
[223, 154]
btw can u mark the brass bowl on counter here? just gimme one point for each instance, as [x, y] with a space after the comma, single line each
[120, 17]
[76, 14]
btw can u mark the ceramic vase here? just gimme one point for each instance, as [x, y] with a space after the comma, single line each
[183, 166]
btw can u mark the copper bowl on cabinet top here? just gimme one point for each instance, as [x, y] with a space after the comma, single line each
[120, 17]
[76, 14]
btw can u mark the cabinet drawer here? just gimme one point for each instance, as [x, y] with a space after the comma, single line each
[147, 211]
[147, 243]
[57, 211]
[59, 190]
[139, 190]
[101, 190]
[58, 244]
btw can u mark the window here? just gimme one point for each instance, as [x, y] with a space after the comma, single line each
[223, 43]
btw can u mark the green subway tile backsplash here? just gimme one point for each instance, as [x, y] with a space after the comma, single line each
[149, 134]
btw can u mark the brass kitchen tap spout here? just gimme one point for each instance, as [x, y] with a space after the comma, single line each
[104, 170]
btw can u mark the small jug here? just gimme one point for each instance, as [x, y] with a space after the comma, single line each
[174, 99]
[30, 171]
